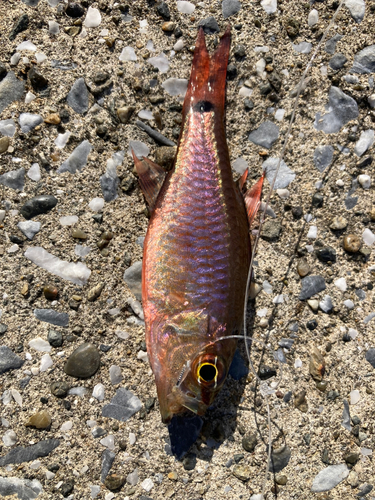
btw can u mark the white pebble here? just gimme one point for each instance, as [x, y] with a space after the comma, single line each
[98, 392]
[245, 92]
[35, 464]
[82, 251]
[313, 233]
[115, 374]
[278, 299]
[260, 66]
[352, 333]
[175, 86]
[283, 193]
[93, 18]
[29, 97]
[146, 114]
[349, 304]
[161, 62]
[262, 312]
[368, 237]
[34, 172]
[269, 6]
[68, 220]
[341, 284]
[371, 101]
[140, 149]
[365, 181]
[366, 140]
[132, 438]
[179, 45]
[78, 391]
[9, 438]
[297, 363]
[147, 484]
[96, 204]
[128, 54]
[340, 183]
[13, 248]
[366, 451]
[53, 27]
[267, 287]
[40, 345]
[16, 396]
[142, 355]
[15, 58]
[62, 139]
[354, 397]
[104, 32]
[313, 18]
[326, 304]
[40, 57]
[26, 45]
[49, 475]
[66, 426]
[45, 363]
[108, 442]
[279, 115]
[185, 7]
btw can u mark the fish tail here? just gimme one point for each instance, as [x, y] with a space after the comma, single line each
[206, 88]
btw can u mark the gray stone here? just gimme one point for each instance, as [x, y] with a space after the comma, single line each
[123, 405]
[108, 457]
[341, 109]
[311, 285]
[329, 477]
[15, 179]
[346, 416]
[31, 3]
[29, 228]
[209, 25]
[20, 25]
[20, 454]
[330, 46]
[77, 160]
[323, 156]
[55, 338]
[53, 317]
[133, 278]
[25, 489]
[78, 97]
[11, 89]
[284, 175]
[83, 362]
[279, 459]
[271, 230]
[364, 61]
[8, 359]
[356, 8]
[370, 356]
[230, 7]
[337, 61]
[28, 121]
[265, 135]
[38, 205]
[286, 343]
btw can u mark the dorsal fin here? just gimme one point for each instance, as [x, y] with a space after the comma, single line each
[151, 178]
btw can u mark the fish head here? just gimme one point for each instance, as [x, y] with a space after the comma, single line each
[192, 366]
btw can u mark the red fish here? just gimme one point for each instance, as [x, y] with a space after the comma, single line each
[197, 248]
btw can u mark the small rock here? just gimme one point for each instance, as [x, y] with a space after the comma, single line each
[337, 61]
[67, 488]
[38, 205]
[370, 357]
[271, 230]
[50, 292]
[52, 119]
[300, 401]
[329, 477]
[230, 7]
[265, 135]
[37, 80]
[242, 472]
[74, 9]
[11, 89]
[4, 144]
[94, 293]
[20, 25]
[338, 223]
[351, 458]
[125, 113]
[24, 489]
[249, 442]
[279, 459]
[55, 338]
[352, 243]
[22, 454]
[209, 25]
[341, 109]
[163, 11]
[52, 317]
[317, 365]
[29, 121]
[303, 268]
[8, 359]
[78, 97]
[60, 389]
[123, 405]
[168, 26]
[79, 234]
[83, 362]
[326, 254]
[311, 285]
[40, 420]
[15, 179]
[133, 278]
[114, 482]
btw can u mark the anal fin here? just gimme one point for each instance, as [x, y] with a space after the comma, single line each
[151, 178]
[252, 199]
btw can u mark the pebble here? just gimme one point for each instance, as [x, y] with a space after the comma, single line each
[249, 442]
[165, 156]
[330, 46]
[356, 8]
[94, 293]
[133, 478]
[78, 97]
[163, 10]
[125, 113]
[279, 459]
[133, 278]
[366, 140]
[352, 243]
[154, 134]
[115, 375]
[231, 7]
[284, 176]
[60, 389]
[39, 420]
[37, 80]
[55, 338]
[83, 362]
[7, 127]
[29, 121]
[122, 406]
[271, 230]
[96, 204]
[338, 223]
[93, 18]
[108, 458]
[160, 62]
[209, 25]
[20, 25]
[341, 109]
[326, 304]
[303, 268]
[329, 477]
[175, 86]
[313, 18]
[53, 317]
[11, 89]
[326, 254]
[317, 365]
[29, 228]
[77, 160]
[242, 472]
[365, 181]
[370, 356]
[311, 285]
[8, 359]
[22, 454]
[265, 135]
[38, 205]
[4, 144]
[364, 61]
[9, 438]
[25, 489]
[338, 61]
[15, 179]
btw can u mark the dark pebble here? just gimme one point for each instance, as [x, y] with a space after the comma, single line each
[37, 80]
[100, 77]
[370, 356]
[280, 459]
[238, 457]
[55, 338]
[311, 285]
[356, 420]
[53, 467]
[326, 254]
[21, 454]
[98, 218]
[83, 362]
[365, 162]
[351, 458]
[317, 200]
[297, 212]
[332, 395]
[3, 71]
[312, 324]
[271, 230]
[178, 32]
[346, 337]
[60, 389]
[163, 11]
[231, 71]
[337, 61]
[20, 25]
[325, 456]
[38, 205]
[365, 490]
[74, 9]
[67, 488]
[50, 292]
[98, 432]
[265, 88]
[292, 27]
[190, 461]
[67, 404]
[104, 348]
[275, 80]
[9, 360]
[287, 396]
[114, 482]
[266, 372]
[249, 442]
[248, 104]
[239, 52]
[209, 25]
[16, 239]
[24, 382]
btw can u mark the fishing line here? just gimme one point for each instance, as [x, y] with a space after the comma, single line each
[299, 90]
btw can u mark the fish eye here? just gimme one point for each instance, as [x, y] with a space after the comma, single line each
[207, 372]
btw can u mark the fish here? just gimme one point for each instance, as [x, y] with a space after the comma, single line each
[197, 248]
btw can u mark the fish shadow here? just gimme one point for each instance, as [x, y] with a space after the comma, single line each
[202, 435]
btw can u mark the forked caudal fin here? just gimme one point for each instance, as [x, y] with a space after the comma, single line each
[206, 87]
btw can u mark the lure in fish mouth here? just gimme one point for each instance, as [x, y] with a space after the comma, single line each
[197, 248]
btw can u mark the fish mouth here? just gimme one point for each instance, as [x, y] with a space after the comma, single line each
[179, 403]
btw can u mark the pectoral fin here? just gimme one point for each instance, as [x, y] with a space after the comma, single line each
[151, 178]
[252, 199]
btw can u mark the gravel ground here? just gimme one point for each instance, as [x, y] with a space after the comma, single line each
[327, 375]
